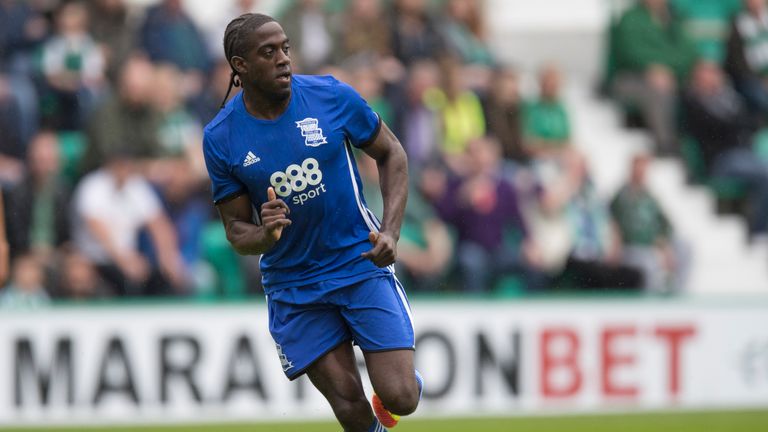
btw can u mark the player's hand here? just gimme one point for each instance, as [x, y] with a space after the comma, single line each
[274, 215]
[384, 249]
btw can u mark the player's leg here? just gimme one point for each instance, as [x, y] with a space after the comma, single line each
[336, 376]
[394, 380]
[379, 317]
[314, 338]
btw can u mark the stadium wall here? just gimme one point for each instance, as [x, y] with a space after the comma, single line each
[195, 363]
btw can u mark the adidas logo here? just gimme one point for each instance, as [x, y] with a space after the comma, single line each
[250, 159]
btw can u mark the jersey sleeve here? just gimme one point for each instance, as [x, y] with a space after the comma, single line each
[360, 123]
[224, 184]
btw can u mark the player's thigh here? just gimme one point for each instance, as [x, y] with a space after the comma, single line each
[391, 372]
[379, 317]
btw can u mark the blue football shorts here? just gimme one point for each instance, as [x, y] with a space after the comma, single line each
[307, 322]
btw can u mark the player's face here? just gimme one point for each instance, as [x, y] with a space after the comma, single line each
[267, 66]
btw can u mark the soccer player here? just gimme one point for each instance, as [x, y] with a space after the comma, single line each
[285, 182]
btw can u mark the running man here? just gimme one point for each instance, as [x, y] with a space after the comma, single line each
[285, 182]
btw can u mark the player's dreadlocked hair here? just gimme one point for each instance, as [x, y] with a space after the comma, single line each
[236, 42]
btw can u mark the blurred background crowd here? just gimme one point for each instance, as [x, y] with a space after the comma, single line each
[102, 105]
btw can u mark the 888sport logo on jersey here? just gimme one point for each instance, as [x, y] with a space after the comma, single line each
[304, 181]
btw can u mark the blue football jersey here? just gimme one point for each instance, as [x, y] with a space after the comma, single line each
[306, 155]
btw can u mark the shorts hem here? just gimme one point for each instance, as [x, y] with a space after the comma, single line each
[378, 350]
[303, 370]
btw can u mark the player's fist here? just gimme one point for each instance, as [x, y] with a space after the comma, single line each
[384, 249]
[274, 215]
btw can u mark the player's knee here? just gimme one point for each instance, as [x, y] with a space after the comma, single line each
[402, 401]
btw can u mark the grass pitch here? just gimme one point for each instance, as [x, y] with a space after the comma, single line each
[711, 421]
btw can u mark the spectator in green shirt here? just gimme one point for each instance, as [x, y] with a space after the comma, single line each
[646, 234]
[547, 126]
[652, 54]
[705, 23]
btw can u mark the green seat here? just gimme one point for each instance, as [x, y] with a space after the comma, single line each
[509, 287]
[760, 146]
[72, 145]
[218, 252]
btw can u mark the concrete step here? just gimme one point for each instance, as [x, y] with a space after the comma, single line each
[722, 260]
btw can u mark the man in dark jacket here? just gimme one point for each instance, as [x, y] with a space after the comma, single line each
[37, 209]
[717, 117]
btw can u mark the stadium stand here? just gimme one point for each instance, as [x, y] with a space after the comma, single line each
[432, 71]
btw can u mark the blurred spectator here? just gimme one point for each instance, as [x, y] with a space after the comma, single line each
[459, 109]
[503, 113]
[309, 30]
[747, 57]
[364, 31]
[26, 290]
[114, 30]
[425, 247]
[39, 220]
[547, 126]
[126, 119]
[417, 123]
[207, 104]
[73, 66]
[483, 207]
[111, 206]
[464, 31]
[188, 210]
[4, 249]
[179, 132]
[367, 81]
[717, 118]
[214, 28]
[652, 53]
[78, 279]
[12, 146]
[168, 35]
[593, 254]
[414, 32]
[647, 236]
[706, 24]
[22, 29]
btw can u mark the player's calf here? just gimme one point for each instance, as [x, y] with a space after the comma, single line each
[354, 415]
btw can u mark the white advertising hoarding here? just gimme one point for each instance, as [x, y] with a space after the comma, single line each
[213, 363]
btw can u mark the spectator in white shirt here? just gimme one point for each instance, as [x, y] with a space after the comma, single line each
[112, 205]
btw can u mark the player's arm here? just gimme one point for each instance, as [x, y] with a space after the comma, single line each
[393, 180]
[246, 237]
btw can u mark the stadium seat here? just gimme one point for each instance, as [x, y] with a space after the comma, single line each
[72, 145]
[224, 260]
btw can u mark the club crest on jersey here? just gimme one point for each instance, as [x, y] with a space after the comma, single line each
[312, 133]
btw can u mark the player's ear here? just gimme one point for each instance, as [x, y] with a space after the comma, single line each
[239, 64]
